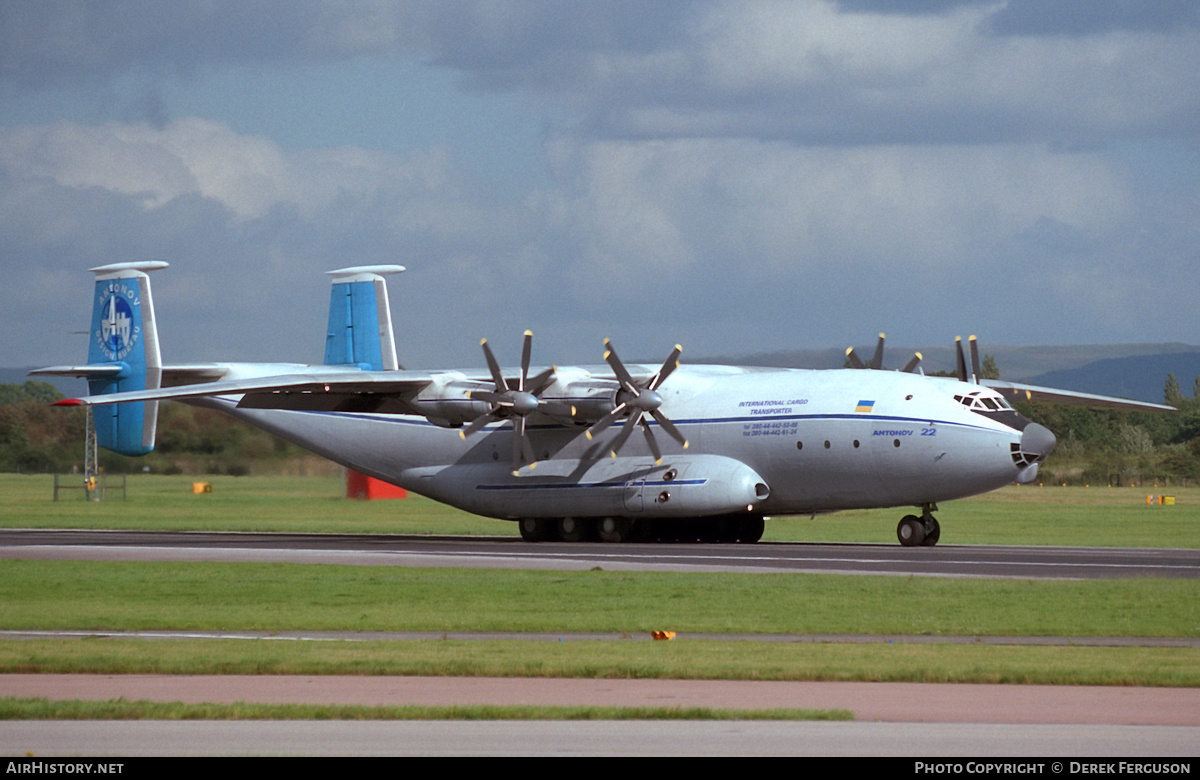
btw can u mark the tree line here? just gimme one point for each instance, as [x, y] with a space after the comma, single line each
[190, 440]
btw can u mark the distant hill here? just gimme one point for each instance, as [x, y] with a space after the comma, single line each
[1141, 377]
[1136, 371]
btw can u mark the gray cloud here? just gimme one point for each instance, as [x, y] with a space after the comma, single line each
[739, 176]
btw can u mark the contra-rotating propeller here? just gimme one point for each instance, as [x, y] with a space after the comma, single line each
[508, 402]
[638, 401]
[976, 371]
[877, 361]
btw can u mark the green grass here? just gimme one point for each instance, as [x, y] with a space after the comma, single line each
[121, 709]
[698, 659]
[1073, 516]
[125, 596]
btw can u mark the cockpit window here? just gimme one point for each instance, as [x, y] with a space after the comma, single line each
[983, 401]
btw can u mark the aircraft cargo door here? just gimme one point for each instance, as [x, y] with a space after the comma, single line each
[636, 487]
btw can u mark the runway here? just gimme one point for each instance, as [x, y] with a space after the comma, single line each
[508, 552]
[892, 719]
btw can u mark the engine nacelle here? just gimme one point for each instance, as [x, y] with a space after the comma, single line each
[581, 402]
[447, 402]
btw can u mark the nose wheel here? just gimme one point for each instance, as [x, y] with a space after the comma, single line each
[923, 531]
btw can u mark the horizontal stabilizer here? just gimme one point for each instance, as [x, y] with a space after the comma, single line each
[172, 376]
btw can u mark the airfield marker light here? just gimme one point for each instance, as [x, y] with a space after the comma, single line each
[667, 635]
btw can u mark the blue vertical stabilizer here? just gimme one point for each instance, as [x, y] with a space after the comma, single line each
[360, 319]
[123, 336]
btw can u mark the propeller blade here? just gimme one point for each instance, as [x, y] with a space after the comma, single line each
[558, 408]
[962, 363]
[496, 399]
[976, 371]
[650, 442]
[669, 365]
[497, 377]
[626, 429]
[669, 427]
[877, 361]
[913, 362]
[522, 451]
[614, 362]
[526, 351]
[606, 420]
[477, 423]
[540, 382]
[854, 359]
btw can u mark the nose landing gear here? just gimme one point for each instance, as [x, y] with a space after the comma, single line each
[920, 531]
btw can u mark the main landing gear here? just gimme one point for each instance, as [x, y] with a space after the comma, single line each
[920, 531]
[746, 529]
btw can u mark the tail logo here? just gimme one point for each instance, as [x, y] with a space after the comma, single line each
[117, 333]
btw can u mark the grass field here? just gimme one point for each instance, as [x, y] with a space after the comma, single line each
[129, 596]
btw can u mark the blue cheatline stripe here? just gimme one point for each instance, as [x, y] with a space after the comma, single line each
[577, 486]
[778, 418]
[873, 418]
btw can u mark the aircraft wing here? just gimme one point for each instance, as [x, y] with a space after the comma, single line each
[1015, 391]
[321, 390]
[172, 376]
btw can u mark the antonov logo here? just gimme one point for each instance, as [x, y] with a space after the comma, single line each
[117, 334]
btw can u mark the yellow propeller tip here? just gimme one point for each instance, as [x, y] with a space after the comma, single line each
[919, 356]
[685, 445]
[462, 435]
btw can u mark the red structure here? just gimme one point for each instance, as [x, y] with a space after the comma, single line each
[362, 486]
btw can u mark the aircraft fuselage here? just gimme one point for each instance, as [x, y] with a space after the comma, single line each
[760, 440]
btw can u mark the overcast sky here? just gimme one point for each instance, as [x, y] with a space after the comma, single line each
[737, 177]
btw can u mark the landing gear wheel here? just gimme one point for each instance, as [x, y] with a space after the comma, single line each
[911, 531]
[751, 529]
[729, 527]
[614, 530]
[933, 532]
[572, 529]
[533, 529]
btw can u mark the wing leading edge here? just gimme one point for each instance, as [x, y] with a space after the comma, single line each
[1015, 391]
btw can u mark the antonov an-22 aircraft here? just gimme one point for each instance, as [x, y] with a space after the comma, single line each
[613, 452]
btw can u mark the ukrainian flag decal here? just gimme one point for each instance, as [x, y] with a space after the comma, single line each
[864, 407]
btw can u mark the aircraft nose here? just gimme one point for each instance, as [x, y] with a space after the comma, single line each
[1037, 440]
